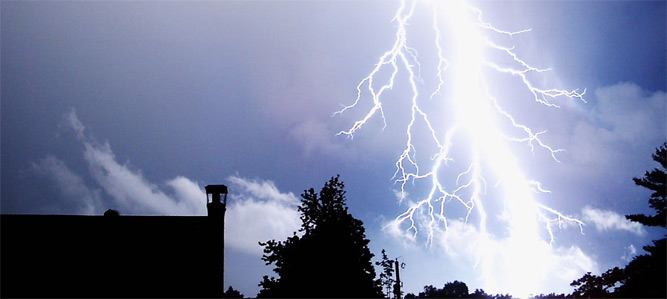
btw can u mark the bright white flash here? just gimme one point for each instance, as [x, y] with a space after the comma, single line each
[479, 117]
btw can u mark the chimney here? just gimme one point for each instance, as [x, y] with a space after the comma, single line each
[216, 202]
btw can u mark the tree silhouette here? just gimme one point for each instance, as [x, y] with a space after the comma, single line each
[232, 293]
[593, 286]
[386, 279]
[330, 256]
[549, 296]
[655, 181]
[455, 289]
[645, 275]
[479, 293]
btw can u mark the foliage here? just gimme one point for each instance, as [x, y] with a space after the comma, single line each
[645, 275]
[455, 289]
[549, 296]
[655, 181]
[386, 279]
[232, 293]
[330, 258]
[479, 293]
[597, 286]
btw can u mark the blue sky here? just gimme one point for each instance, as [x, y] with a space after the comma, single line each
[137, 106]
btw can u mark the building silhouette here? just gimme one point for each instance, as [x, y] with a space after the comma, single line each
[115, 255]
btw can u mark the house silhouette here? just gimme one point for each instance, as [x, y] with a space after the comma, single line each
[115, 255]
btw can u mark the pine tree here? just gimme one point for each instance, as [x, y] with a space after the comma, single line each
[655, 181]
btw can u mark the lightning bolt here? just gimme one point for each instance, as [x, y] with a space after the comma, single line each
[475, 117]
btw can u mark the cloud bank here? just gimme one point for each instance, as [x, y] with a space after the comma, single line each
[257, 210]
[625, 119]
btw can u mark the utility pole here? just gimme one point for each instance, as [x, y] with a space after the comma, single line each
[397, 286]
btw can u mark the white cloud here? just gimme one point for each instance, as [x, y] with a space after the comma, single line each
[263, 190]
[134, 193]
[71, 185]
[258, 212]
[188, 192]
[609, 220]
[394, 229]
[73, 121]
